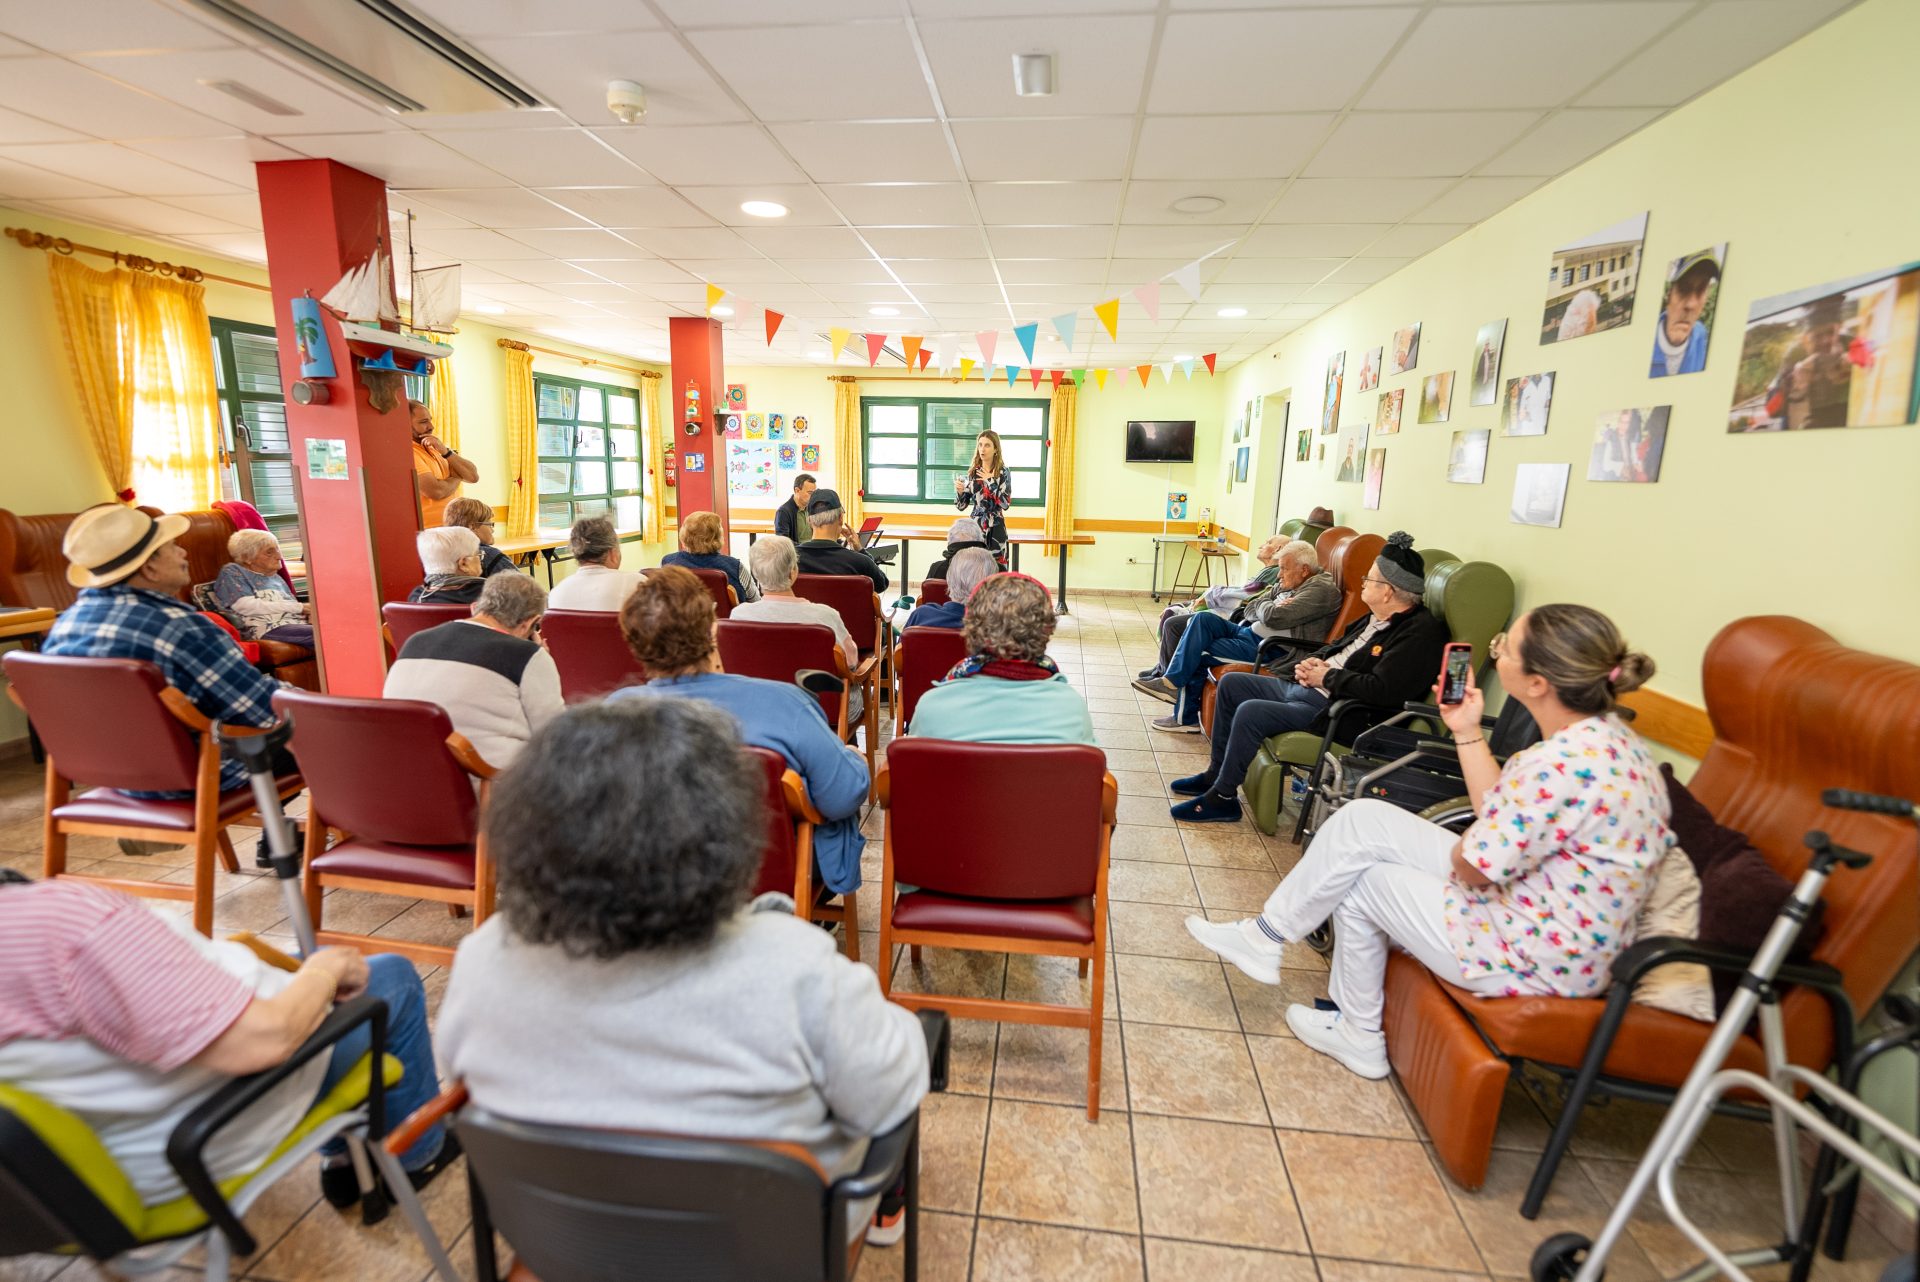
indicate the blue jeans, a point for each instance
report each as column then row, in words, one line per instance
column 393, row 980
column 1209, row 639
column 1248, row 710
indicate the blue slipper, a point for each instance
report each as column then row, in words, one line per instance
column 1191, row 786
column 1206, row 810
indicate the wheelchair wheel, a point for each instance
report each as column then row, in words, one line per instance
column 1456, row 815
column 1558, row 1259
column 1320, row 939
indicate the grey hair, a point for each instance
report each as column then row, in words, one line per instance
column 512, row 599
column 443, row 547
column 774, row 562
column 823, row 518
column 1404, row 597
column 965, row 530
column 592, row 539
column 1300, row 552
column 965, row 572
column 244, row 545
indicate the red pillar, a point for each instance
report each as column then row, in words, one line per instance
column 695, row 348
column 322, row 218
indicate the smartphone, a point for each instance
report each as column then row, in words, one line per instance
column 1454, row 671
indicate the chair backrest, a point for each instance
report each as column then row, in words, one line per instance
column 933, row 592
column 404, row 618
column 33, row 569
column 590, row 652
column 1354, row 559
column 717, row 587
column 1050, row 851
column 1474, row 599
column 45, row 1204
column 1327, row 543
column 1290, row 529
column 853, row 596
column 582, row 1205
column 381, row 768
column 777, row 651
column 924, row 655
column 102, row 721
column 206, row 545
column 777, row 864
column 1432, row 557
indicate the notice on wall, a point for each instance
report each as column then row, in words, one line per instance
column 326, row 459
column 1176, row 505
column 750, row 470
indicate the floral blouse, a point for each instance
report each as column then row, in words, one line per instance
column 986, row 499
column 1569, row 835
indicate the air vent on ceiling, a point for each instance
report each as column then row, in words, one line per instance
column 378, row 49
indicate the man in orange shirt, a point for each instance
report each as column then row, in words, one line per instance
column 437, row 469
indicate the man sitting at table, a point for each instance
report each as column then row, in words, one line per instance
column 830, row 550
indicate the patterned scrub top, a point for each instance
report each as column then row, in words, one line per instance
column 1569, row 834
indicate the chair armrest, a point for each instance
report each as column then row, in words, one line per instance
column 1432, row 713
column 882, row 785
column 469, row 757
column 885, row 1163
column 939, row 1031
column 799, row 805
column 1219, row 670
column 866, row 668
column 1658, row 950
column 1277, row 649
column 186, row 1147
column 427, row 1116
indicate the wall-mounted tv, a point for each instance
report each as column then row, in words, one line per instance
column 1160, row 441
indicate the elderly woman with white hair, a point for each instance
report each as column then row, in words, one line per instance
column 450, row 555
column 250, row 589
column 775, row 563
column 970, row 567
column 1006, row 690
column 962, row 534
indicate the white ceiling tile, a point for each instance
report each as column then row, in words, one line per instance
column 689, row 242
column 1058, row 297
column 24, row 182
column 806, row 207
column 1412, row 144
column 1098, row 66
column 241, row 208
column 1047, row 202
column 777, row 241
column 1277, row 271
column 229, row 159
column 1022, row 8
column 1261, row 303
column 1329, row 293
column 704, row 154
column 108, row 24
column 778, row 71
column 1477, row 198
column 400, row 205
column 838, row 271
column 1321, row 200
column 1516, row 55
column 624, row 207
column 11, row 48
column 578, row 242
column 644, row 272
column 1070, row 149
column 18, row 128
column 886, row 151
column 546, row 157
column 731, row 273
column 957, row 295
column 925, row 242
column 403, row 159
column 1566, row 139
column 1708, row 47
column 1410, row 240
column 571, row 71
column 136, row 213
column 497, row 207
column 95, row 105
column 477, row 243
column 1365, row 271
column 1184, row 242
column 1301, row 311
column 1054, row 271
column 534, row 271
column 1245, row 200
column 946, row 271
column 873, row 295
column 184, row 77
column 761, row 13
column 525, row 295
column 1310, row 240
column 116, row 167
column 1048, row 242
column 1214, row 147
column 601, row 293
column 1279, row 61
column 902, row 204
column 523, row 17
column 247, row 247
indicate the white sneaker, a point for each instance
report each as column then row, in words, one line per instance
column 1241, row 942
column 1328, row 1032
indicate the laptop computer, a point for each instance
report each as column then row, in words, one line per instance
column 869, row 532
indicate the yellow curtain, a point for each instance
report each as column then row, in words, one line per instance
column 848, row 469
column 86, row 304
column 445, row 404
column 1058, row 521
column 523, row 447
column 176, row 411
column 653, row 523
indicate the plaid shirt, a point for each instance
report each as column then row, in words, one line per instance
column 196, row 658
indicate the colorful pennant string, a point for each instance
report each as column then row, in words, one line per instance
column 1149, row 296
column 1026, row 334
column 773, row 324
column 987, row 339
column 1109, row 314
column 876, row 343
column 1064, row 325
column 910, row 346
column 714, row 295
column 839, row 337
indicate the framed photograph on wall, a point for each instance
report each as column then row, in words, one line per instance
column 1351, row 450
column 1406, row 348
column 1523, row 410
column 1840, row 354
column 1687, row 312
column 1387, row 418
column 1467, row 460
column 1485, row 389
column 1240, row 461
column 1303, row 446
column 1330, row 408
column 1591, row 282
column 1376, row 476
column 1540, row 494
column 1436, row 398
column 1369, row 370
column 1627, row 445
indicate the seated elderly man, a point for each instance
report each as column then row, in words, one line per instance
column 1388, row 658
column 961, row 535
column 668, row 623
column 1301, row 605
column 497, row 684
column 598, row 582
column 472, row 514
column 1228, row 598
column 971, row 566
column 830, row 550
column 450, row 555
column 249, row 588
column 775, row 563
column 1007, row 690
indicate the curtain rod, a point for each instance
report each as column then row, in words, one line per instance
column 519, row 346
column 28, row 239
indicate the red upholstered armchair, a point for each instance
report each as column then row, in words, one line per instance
column 591, row 653
column 933, row 592
column 1039, row 886
column 780, row 651
column 788, row 864
column 407, row 814
column 860, row 609
column 923, row 656
column 117, row 724
column 724, row 597
column 404, row 618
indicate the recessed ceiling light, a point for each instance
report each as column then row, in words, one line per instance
column 1196, row 204
column 1183, row 358
column 1033, row 75
column 252, row 97
column 816, row 355
column 763, row 208
column 883, row 311
column 1232, row 312
column 721, row 311
column 489, row 309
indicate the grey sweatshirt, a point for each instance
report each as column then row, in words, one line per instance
column 1303, row 614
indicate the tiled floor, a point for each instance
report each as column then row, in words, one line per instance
column 1225, row 1150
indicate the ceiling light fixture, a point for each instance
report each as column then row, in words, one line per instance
column 1183, row 358
column 1231, row 312
column 818, row 356
column 489, row 309
column 883, row 311
column 252, row 97
column 1033, row 75
column 763, row 208
column 627, row 101
column 1196, row 204
column 721, row 311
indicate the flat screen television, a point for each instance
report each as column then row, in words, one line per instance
column 1160, row 441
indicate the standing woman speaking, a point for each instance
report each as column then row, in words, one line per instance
column 986, row 491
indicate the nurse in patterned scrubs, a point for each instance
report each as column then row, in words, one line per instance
column 1536, row 898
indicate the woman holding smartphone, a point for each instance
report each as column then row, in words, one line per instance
column 986, row 491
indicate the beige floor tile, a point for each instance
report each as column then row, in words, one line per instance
column 1004, row 1251
column 1619, row 1131
column 1163, row 990
column 1263, row 1007
column 1153, row 930
column 1127, row 759
column 952, row 972
column 1524, row 1125
column 1229, row 849
column 970, row 1056
column 1215, row 1182
column 1139, row 783
column 1127, row 740
column 946, row 1248
column 1235, row 890
column 1047, row 1065
column 1192, row 1072
column 1199, row 1262
column 1506, row 1242
column 1151, row 883
column 1362, row 1271
column 953, row 1133
column 428, row 923
column 1149, row 845
column 1048, row 1164
column 327, row 1244
column 1149, row 811
column 1056, row 981
column 1377, row 1200
column 1307, row 1091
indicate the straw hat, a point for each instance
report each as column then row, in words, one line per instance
column 106, row 544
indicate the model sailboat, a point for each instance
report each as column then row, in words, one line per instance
column 363, row 301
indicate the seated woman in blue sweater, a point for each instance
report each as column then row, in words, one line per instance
column 1007, row 690
column 967, row 571
column 700, row 541
column 668, row 624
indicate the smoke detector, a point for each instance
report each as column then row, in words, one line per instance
column 627, row 101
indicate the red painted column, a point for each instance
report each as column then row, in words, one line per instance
column 323, row 218
column 695, row 348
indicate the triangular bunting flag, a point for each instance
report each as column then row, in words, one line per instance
column 839, row 337
column 1149, row 296
column 1109, row 314
column 1080, row 378
column 1026, row 335
column 966, row 368
column 1064, row 325
column 910, row 346
column 1033, row 376
column 925, row 356
column 1166, row 371
column 714, row 295
column 988, row 339
column 1145, row 372
column 1013, row 373
column 1209, row 359
column 1100, row 379
column 773, row 324
column 1187, row 366
column 1188, row 278
column 1056, row 375
column 875, row 344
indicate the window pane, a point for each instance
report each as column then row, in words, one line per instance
column 268, row 423
column 273, row 489
column 893, row 450
column 622, row 409
column 893, row 418
column 556, row 478
column 555, row 516
column 591, row 507
column 1026, row 485
column 960, row 420
column 590, row 478
column 893, row 480
column 591, row 409
column 626, row 512
column 951, row 451
column 555, row 401
column 626, row 476
column 256, row 360
column 624, row 442
column 219, row 366
column 590, row 442
column 556, row 440
column 1021, row 453
column 940, row 484
column 1019, row 420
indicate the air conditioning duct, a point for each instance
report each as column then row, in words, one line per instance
column 377, row 49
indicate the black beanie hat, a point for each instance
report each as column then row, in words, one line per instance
column 1400, row 565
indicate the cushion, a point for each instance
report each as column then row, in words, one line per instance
column 1673, row 908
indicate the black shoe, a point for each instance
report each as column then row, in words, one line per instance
column 449, row 1154
column 338, row 1183
column 1191, row 785
column 263, row 858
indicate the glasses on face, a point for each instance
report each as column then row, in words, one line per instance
column 484, row 525
column 1376, row 580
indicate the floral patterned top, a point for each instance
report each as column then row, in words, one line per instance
column 986, row 499
column 1569, row 835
